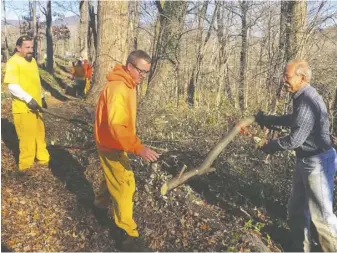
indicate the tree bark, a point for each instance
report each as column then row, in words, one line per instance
column 92, row 33
column 133, row 23
column 205, row 167
column 84, row 29
column 166, row 47
column 35, row 31
column 243, row 54
column 5, row 30
column 49, row 37
column 222, row 36
column 111, row 44
column 292, row 24
column 199, row 55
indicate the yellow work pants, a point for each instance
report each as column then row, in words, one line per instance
column 31, row 134
column 120, row 183
column 87, row 86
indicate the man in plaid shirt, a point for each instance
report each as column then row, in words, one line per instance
column 313, row 180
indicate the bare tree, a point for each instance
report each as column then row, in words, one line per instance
column 5, row 30
column 244, row 6
column 92, row 33
column 133, row 24
column 166, row 46
column 35, row 30
column 292, row 24
column 49, row 37
column 111, row 44
column 223, row 58
column 200, row 48
column 83, row 29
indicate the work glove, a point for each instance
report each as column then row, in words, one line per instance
column 44, row 103
column 270, row 147
column 260, row 119
column 267, row 120
column 33, row 105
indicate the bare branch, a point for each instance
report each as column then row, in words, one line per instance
column 205, row 167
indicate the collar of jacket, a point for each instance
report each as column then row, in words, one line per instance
column 301, row 91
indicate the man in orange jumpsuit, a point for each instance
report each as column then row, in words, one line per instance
column 88, row 75
column 115, row 135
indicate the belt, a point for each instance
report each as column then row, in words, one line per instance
column 305, row 154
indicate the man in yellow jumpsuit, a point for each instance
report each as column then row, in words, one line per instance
column 115, row 135
column 22, row 77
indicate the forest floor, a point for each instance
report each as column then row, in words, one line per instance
column 240, row 207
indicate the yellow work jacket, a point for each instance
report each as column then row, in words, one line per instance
column 26, row 74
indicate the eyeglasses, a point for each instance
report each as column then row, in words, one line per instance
column 140, row 71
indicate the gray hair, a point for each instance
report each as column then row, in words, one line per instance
column 302, row 68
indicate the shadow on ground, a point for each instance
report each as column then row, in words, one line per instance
column 9, row 137
column 234, row 192
column 64, row 167
column 54, row 92
column 69, row 171
column 4, row 248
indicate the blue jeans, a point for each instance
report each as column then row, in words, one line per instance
column 312, row 198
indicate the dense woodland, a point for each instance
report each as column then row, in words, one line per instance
column 214, row 63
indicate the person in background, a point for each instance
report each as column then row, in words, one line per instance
column 88, row 75
column 313, row 180
column 23, row 79
column 115, row 135
column 78, row 75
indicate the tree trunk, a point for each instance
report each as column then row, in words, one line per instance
column 84, row 29
column 166, row 47
column 298, row 12
column 92, row 33
column 243, row 54
column 133, row 23
column 292, row 23
column 35, row 27
column 49, row 37
column 5, row 31
column 196, row 68
column 222, row 36
column 111, row 44
column 133, row 33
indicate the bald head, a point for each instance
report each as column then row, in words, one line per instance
column 297, row 74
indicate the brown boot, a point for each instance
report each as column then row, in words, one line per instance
column 43, row 166
column 132, row 244
column 25, row 172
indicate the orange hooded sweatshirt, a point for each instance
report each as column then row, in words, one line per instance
column 115, row 125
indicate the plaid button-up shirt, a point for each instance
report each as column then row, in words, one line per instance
column 309, row 123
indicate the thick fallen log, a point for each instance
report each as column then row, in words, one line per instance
column 205, row 167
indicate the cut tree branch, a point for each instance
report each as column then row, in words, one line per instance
column 205, row 167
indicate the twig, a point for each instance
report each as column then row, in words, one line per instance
column 182, row 171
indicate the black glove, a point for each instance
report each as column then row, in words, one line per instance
column 34, row 106
column 271, row 147
column 268, row 120
column 260, row 119
column 44, row 103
